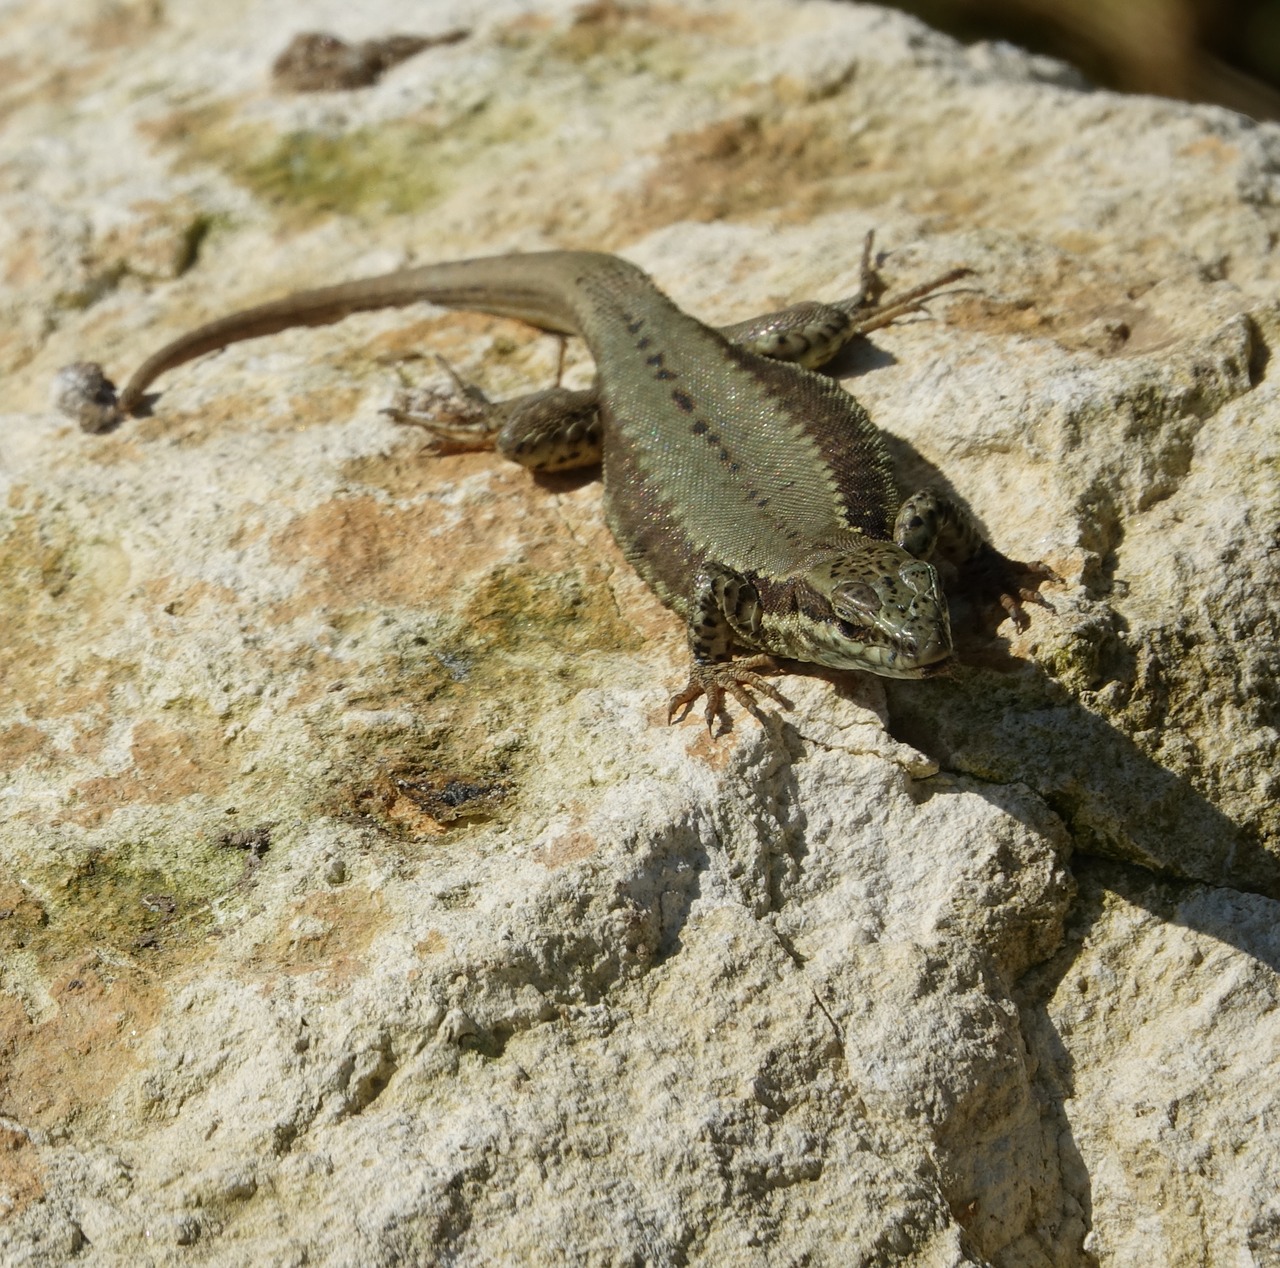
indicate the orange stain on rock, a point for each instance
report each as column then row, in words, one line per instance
column 60, row 1068
column 168, row 764
column 19, row 742
column 363, row 549
column 568, row 848
column 21, row 1172
column 326, row 932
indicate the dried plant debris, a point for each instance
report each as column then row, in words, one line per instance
column 318, row 62
column 444, row 798
column 255, row 841
column 83, row 393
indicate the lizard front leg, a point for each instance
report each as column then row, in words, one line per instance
column 724, row 607
column 552, row 430
column 929, row 519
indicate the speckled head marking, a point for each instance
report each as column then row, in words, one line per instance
column 876, row 608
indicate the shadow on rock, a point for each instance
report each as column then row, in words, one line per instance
column 1115, row 799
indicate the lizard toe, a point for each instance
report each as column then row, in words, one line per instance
column 1011, row 583
column 735, row 678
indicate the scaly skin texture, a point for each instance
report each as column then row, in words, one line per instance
column 753, row 495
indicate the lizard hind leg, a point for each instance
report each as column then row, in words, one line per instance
column 552, row 430
column 811, row 333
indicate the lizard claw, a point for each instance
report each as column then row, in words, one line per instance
column 735, row 678
column 460, row 418
column 1012, row 583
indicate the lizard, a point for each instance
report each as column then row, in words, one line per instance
column 753, row 494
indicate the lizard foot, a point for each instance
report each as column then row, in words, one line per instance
column 877, row 311
column 1011, row 583
column 736, row 678
column 460, row 418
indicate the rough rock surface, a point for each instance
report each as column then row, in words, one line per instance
column 356, row 904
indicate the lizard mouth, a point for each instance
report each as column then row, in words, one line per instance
column 943, row 668
column 900, row 657
column 892, row 660
column 934, row 669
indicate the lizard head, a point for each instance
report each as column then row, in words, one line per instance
column 879, row 609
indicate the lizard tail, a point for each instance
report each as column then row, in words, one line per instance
column 538, row 288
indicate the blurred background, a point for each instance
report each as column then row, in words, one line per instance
column 1222, row 51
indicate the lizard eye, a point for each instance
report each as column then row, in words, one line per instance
column 855, row 601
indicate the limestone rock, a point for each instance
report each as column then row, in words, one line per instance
column 358, row 906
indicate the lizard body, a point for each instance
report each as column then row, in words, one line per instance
column 752, row 494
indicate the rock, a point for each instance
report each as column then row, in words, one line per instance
column 359, row 905
column 1155, row 1026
